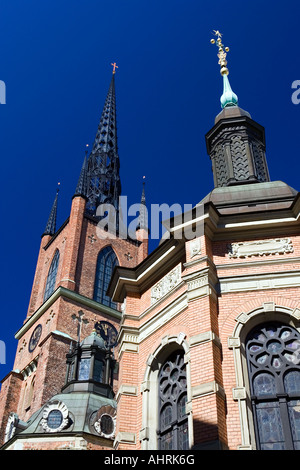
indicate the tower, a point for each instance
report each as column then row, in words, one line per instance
column 64, row 377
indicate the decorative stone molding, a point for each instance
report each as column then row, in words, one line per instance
column 201, row 283
column 30, row 368
column 195, row 248
column 166, row 314
column 296, row 313
column 239, row 393
column 275, row 246
column 260, row 282
column 129, row 390
column 11, row 426
column 51, row 407
column 149, row 389
column 204, row 338
column 266, row 307
column 207, row 389
column 105, row 422
column 125, row 438
column 166, row 284
column 144, row 434
column 233, row 342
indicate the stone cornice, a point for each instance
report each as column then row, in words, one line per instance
column 149, row 271
column 71, row 295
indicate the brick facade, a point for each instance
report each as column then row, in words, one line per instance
column 198, row 297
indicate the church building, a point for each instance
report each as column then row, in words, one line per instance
column 194, row 346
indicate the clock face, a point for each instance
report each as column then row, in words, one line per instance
column 108, row 332
column 35, row 337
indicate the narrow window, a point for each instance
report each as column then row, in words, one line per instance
column 273, row 353
column 106, row 263
column 51, row 278
column 173, row 420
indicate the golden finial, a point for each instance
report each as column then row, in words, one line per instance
column 222, row 52
column 114, row 67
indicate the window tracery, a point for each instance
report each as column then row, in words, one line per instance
column 173, row 420
column 273, row 358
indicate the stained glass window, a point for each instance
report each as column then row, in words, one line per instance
column 273, row 351
column 106, row 263
column 51, row 278
column 98, row 370
column 173, row 421
column 84, row 369
column 54, row 419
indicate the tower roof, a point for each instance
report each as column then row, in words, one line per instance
column 50, row 228
column 103, row 181
column 236, row 143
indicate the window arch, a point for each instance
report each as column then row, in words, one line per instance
column 173, row 420
column 51, row 278
column 273, row 359
column 106, row 263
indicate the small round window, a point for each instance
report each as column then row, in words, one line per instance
column 54, row 419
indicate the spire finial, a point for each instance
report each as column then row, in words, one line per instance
column 228, row 98
column 114, row 67
column 222, row 52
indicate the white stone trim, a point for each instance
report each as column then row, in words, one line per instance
column 259, row 282
column 207, row 388
column 129, row 390
column 261, row 247
column 205, row 337
column 125, row 438
column 149, row 390
column 166, row 284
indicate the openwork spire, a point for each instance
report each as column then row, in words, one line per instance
column 228, row 98
column 103, row 181
column 143, row 218
column 51, row 224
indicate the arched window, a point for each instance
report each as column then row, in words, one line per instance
column 106, row 263
column 273, row 357
column 173, row 420
column 51, row 279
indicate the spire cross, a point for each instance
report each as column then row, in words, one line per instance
column 80, row 320
column 114, row 67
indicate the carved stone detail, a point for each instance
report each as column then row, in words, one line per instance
column 259, row 161
column 166, row 284
column 195, row 247
column 239, row 158
column 261, row 247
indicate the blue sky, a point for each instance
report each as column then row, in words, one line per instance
column 55, row 61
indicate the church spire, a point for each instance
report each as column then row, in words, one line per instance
column 103, row 181
column 143, row 219
column 51, row 224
